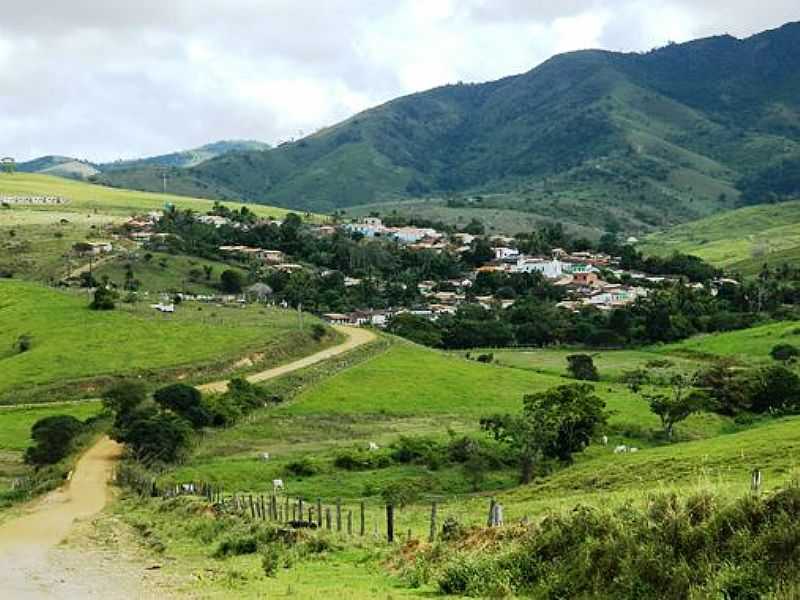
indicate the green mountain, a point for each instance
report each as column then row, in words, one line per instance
column 637, row 141
column 65, row 166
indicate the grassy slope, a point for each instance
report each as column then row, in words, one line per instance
column 131, row 339
column 170, row 278
column 741, row 240
column 86, row 198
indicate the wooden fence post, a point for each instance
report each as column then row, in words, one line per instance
column 339, row 515
column 432, row 536
column 252, row 507
column 390, row 523
column 350, row 522
column 328, row 519
column 755, row 481
column 273, row 507
column 490, row 520
column 300, row 509
column 319, row 513
column 362, row 529
column 286, row 508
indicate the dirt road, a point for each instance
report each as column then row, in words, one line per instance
column 25, row 542
column 34, row 567
column 355, row 338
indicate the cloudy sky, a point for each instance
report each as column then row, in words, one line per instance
column 107, row 79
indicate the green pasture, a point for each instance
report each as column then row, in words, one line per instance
column 70, row 342
column 16, row 422
column 740, row 240
column 163, row 272
column 88, row 198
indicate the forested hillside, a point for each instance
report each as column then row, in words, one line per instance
column 638, row 141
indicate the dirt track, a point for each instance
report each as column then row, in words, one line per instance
column 26, row 542
column 32, row 567
column 355, row 338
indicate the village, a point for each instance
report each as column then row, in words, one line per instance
column 585, row 279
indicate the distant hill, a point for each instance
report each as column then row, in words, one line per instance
column 741, row 240
column 634, row 141
column 64, row 166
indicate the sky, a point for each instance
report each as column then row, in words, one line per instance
column 109, row 79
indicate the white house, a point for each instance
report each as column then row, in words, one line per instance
column 551, row 269
column 506, row 253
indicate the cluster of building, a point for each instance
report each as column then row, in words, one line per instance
column 372, row 227
column 33, row 200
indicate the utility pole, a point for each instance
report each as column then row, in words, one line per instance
column 300, row 315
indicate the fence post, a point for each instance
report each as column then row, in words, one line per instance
column 310, row 516
column 328, row 519
column 350, row 522
column 319, row 513
column 490, row 520
column 363, row 519
column 497, row 517
column 432, row 536
column 390, row 523
column 252, row 507
column 300, row 509
column 273, row 507
column 755, row 481
column 286, row 508
column 339, row 515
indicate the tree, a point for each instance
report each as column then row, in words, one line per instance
column 417, row 329
column 104, row 299
column 183, row 400
column 775, row 388
column 53, row 439
column 231, row 282
column 581, row 367
column 553, row 425
column 785, row 353
column 157, row 436
column 677, row 405
column 124, row 396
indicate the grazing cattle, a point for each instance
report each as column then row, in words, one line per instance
column 604, row 439
column 187, row 488
column 277, row 484
column 265, row 456
column 621, row 449
column 373, row 446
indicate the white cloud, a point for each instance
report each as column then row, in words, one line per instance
column 110, row 78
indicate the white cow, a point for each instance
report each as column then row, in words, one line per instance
column 265, row 456
column 373, row 446
column 622, row 449
column 277, row 484
column 604, row 439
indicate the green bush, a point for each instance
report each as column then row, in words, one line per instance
column 361, row 460
column 301, row 468
column 270, row 560
column 53, row 439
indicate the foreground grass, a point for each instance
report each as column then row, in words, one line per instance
column 131, row 340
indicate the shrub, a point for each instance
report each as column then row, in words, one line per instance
column 785, row 353
column 53, row 439
column 581, row 367
column 104, row 299
column 317, row 331
column 301, row 468
column 185, row 401
column 236, row 544
column 270, row 560
column 402, row 493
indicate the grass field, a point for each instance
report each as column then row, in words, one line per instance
column 740, row 240
column 165, row 272
column 71, row 343
column 15, row 429
column 87, row 198
column 409, row 390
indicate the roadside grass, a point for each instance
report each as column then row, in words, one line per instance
column 73, row 345
column 165, row 272
column 88, row 198
column 15, row 430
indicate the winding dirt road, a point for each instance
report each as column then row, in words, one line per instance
column 355, row 338
column 25, row 542
column 29, row 567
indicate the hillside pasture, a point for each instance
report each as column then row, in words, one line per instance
column 89, row 198
column 73, row 345
column 740, row 240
